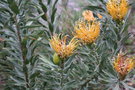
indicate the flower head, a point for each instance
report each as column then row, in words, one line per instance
column 88, row 15
column 117, row 8
column 87, row 32
column 61, row 47
column 123, row 65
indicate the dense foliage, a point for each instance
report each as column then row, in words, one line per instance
column 36, row 54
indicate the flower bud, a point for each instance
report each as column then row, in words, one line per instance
column 56, row 58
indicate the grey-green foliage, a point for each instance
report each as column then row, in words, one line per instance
column 21, row 41
column 26, row 56
column 23, row 34
column 46, row 15
column 92, row 67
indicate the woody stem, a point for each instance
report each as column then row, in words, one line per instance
column 62, row 74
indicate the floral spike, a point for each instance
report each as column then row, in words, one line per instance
column 61, row 47
column 123, row 65
column 117, row 8
column 88, row 15
column 87, row 32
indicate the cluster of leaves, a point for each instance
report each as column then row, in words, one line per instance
column 26, row 57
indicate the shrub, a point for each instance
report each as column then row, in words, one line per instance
column 37, row 55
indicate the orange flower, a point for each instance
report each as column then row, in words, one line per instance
column 117, row 8
column 99, row 16
column 88, row 15
column 123, row 65
column 61, row 47
column 87, row 32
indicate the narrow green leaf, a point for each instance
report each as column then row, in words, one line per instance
column 13, row 6
column 54, row 4
column 51, row 27
column 43, row 6
column 69, row 62
column 49, row 1
column 94, row 8
column 31, row 26
column 53, row 15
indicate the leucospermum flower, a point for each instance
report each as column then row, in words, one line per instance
column 123, row 65
column 117, row 8
column 88, row 15
column 87, row 32
column 61, row 47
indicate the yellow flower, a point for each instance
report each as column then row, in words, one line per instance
column 117, row 8
column 87, row 32
column 88, row 15
column 61, row 47
column 123, row 65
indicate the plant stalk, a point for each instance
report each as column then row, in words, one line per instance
column 62, row 74
column 22, row 55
